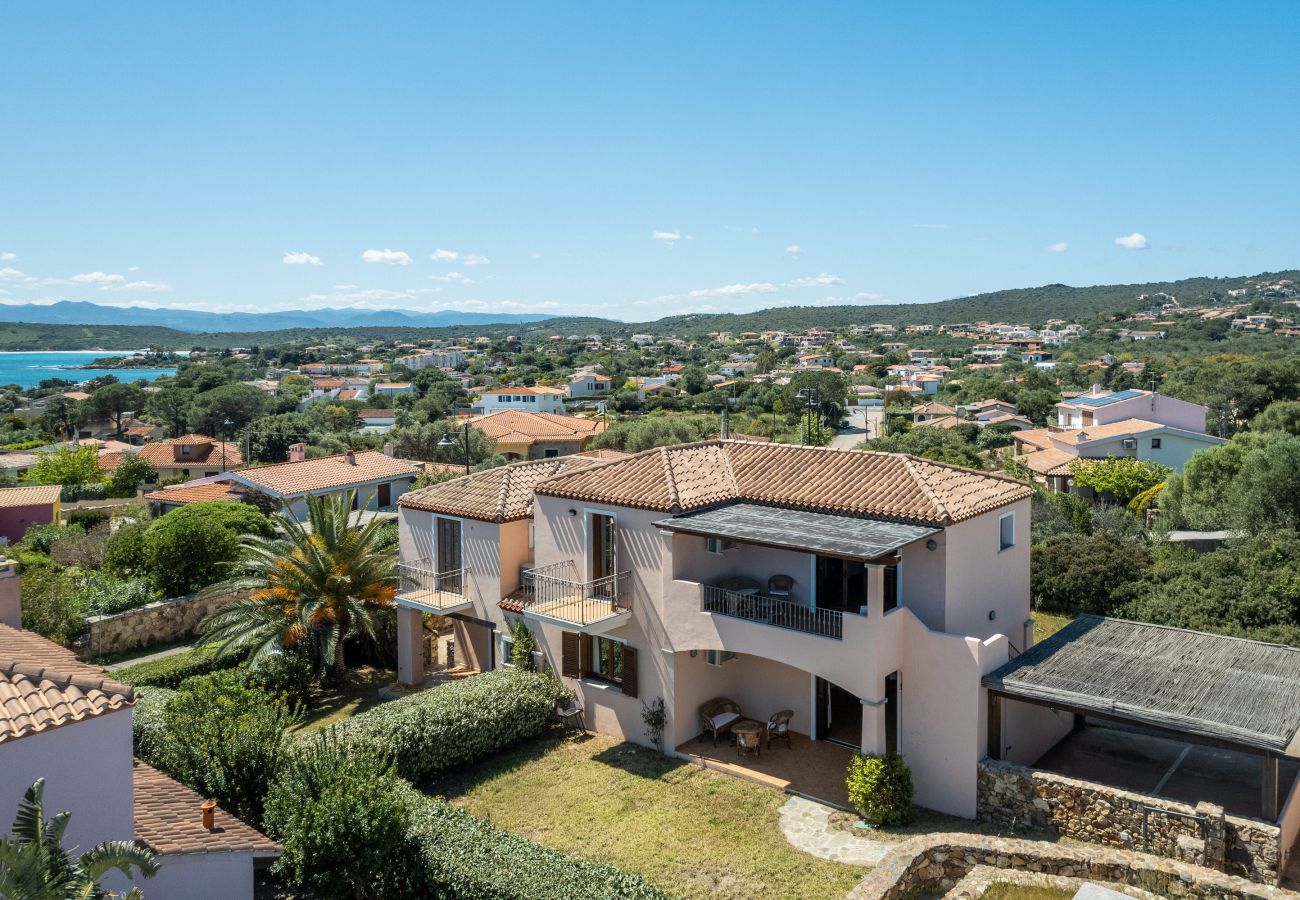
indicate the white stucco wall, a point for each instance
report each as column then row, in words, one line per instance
column 87, row 770
column 201, row 876
column 980, row 578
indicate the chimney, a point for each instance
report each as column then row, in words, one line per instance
column 297, row 452
column 388, row 448
column 209, row 808
column 351, row 457
column 1095, row 389
column 11, row 595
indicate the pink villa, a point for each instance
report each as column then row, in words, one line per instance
column 25, row 506
column 874, row 601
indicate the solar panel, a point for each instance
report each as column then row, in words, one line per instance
column 1107, row 399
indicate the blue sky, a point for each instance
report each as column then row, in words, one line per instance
column 634, row 160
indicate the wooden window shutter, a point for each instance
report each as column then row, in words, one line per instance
column 584, row 654
column 630, row 684
column 570, row 655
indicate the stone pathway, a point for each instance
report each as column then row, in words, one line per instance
column 807, row 825
column 161, row 654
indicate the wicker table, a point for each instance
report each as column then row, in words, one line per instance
column 751, row 729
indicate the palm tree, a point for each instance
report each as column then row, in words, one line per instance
column 34, row 865
column 312, row 585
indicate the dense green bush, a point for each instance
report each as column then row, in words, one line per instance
column 170, row 671
column 88, row 518
column 53, row 606
column 457, row 855
column 192, row 547
column 1077, row 573
column 521, row 653
column 225, row 740
column 71, row 493
column 430, row 732
column 880, row 788
column 40, row 538
column 147, row 721
column 342, row 820
column 126, row 553
column 104, row 595
column 288, row 674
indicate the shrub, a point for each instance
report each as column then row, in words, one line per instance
column 880, row 788
column 125, row 554
column 191, row 547
column 71, row 493
column 132, row 470
column 225, row 740
column 457, row 855
column 170, row 671
column 521, row 653
column 147, row 723
column 426, row 734
column 84, row 550
column 40, row 538
column 103, row 595
column 288, row 674
column 1076, row 573
column 341, row 818
column 53, row 606
column 88, row 518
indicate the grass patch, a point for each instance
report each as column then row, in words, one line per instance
column 1048, row 624
column 689, row 831
column 359, row 693
column 1003, row 891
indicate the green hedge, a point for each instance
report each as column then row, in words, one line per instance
column 147, row 720
column 454, row 854
column 170, row 671
column 456, row 724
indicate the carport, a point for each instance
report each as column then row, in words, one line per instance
column 1239, row 697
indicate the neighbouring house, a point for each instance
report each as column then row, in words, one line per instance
column 1102, row 407
column 200, row 490
column 377, row 421
column 537, row 435
column 866, row 592
column 588, row 384
column 377, row 479
column 70, row 723
column 16, row 464
column 525, row 399
column 192, row 456
column 1048, row 453
column 25, row 506
column 392, row 389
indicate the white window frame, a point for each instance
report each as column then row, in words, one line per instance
column 506, row 652
column 1002, row 518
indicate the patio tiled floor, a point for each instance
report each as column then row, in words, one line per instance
column 810, row 768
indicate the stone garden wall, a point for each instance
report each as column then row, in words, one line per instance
column 940, row 863
column 1012, row 796
column 156, row 623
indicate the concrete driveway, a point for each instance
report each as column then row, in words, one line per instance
column 864, row 425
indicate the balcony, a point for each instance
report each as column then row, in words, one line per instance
column 774, row 611
column 554, row 593
column 420, row 586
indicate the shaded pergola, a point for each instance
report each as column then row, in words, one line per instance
column 1213, row 689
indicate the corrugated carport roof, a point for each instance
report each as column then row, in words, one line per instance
column 798, row 530
column 1224, row 688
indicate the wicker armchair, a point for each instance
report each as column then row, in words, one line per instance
column 779, row 727
column 780, row 586
column 717, row 716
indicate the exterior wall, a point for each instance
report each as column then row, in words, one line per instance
column 1155, row 408
column 539, row 449
column 87, row 770
column 15, row 520
column 1174, row 451
column 202, row 876
column 980, row 579
column 156, row 623
column 1030, row 730
column 923, row 577
column 11, row 595
column 1289, row 825
column 515, row 552
column 367, row 494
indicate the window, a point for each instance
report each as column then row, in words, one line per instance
column 1155, row 443
column 607, row 659
column 507, row 650
column 1006, row 532
column 552, row 452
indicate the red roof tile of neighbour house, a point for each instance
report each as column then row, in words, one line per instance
column 329, row 473
column 169, row 820
column 539, row 389
column 940, row 422
column 604, row 453
column 514, row 426
column 202, row 450
column 1091, row 433
column 502, row 494
column 880, row 485
column 30, row 495
column 1035, row 437
column 110, row 461
column 1048, row 462
column 182, row 494
column 76, row 395
column 43, row 686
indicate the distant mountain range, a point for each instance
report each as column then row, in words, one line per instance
column 80, row 312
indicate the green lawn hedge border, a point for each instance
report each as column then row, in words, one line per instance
column 170, row 671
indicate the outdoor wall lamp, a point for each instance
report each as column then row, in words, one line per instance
column 993, row 614
column 932, row 544
column 573, row 512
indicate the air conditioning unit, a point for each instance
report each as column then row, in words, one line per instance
column 1129, row 443
column 539, row 661
column 718, row 657
column 718, row 546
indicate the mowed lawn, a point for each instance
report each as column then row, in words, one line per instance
column 692, row 832
column 1047, row 624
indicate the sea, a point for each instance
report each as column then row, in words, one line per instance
column 28, row 369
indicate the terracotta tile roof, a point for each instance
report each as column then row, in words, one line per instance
column 1090, row 433
column 43, row 686
column 377, row 413
column 1035, row 437
column 1048, row 462
column 328, row 473
column 110, row 461
column 891, row 486
column 194, row 493
column 30, row 495
column 206, row 450
column 540, row 389
column 934, row 409
column 940, row 422
column 605, row 453
column 169, row 820
column 502, row 494
column 513, row 426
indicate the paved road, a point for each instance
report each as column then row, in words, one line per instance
column 862, row 427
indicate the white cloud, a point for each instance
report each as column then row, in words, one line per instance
column 98, row 278
column 1059, row 247
column 670, row 238
column 300, row 258
column 158, row 286
column 1135, row 241
column 9, row 273
column 735, row 290
column 820, row 280
column 453, row 276
column 474, row 259
column 6, row 256
column 133, row 268
column 387, row 257
column 794, row 250
column 441, row 255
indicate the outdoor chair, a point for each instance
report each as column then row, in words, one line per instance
column 749, row 741
column 717, row 717
column 569, row 712
column 779, row 727
column 780, row 586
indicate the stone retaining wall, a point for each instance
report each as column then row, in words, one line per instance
column 156, row 623
column 938, row 863
column 1012, row 796
column 980, row 879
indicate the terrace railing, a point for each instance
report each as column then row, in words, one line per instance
column 419, row 582
column 773, row 611
column 554, row 591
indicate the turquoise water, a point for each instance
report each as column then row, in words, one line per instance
column 30, row 369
